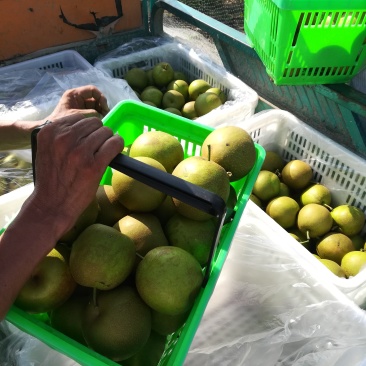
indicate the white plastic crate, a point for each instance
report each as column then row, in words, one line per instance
column 343, row 172
column 59, row 60
column 242, row 100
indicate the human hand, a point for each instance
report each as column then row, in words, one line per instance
column 72, row 155
column 87, row 100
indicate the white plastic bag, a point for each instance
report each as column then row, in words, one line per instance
column 268, row 308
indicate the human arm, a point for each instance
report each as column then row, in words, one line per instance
column 87, row 100
column 72, row 155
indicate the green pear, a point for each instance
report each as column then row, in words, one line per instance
column 110, row 209
column 169, row 279
column 180, row 86
column 206, row 174
column 67, row 317
column 349, row 219
column 135, row 195
column 333, row 267
column 219, row 93
column 206, row 102
column 316, row 193
column 197, row 87
column 283, row 210
column 179, row 75
column 314, row 220
column 165, row 210
column 353, row 262
column 151, row 352
column 87, row 217
column 158, row 145
column 49, row 285
column 231, row 147
column 196, row 237
column 144, row 229
column 165, row 324
column 273, row 162
column 101, row 257
column 297, row 174
column 117, row 324
column 173, row 99
column 334, row 246
column 136, row 78
column 173, row 110
column 153, row 95
column 266, row 186
column 163, row 74
column 188, row 110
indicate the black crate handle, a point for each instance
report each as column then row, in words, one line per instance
column 169, row 184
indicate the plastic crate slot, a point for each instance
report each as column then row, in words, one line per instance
column 362, row 20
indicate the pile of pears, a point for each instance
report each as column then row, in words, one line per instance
column 163, row 87
column 287, row 192
column 14, row 172
column 128, row 273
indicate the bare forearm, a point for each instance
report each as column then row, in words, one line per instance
column 23, row 245
column 16, row 134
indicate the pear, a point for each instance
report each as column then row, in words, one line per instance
column 316, row 193
column 165, row 324
column 169, row 279
column 349, row 219
column 179, row 75
column 206, row 174
column 358, row 241
column 353, row 262
column 117, row 324
column 173, row 99
column 197, row 87
column 256, row 200
column 181, row 86
column 219, row 93
column 188, row 110
column 283, row 210
column 296, row 174
column 333, row 267
column 101, row 257
column 334, row 246
column 110, row 209
column 159, row 145
column 231, row 147
column 163, row 74
column 284, row 190
column 87, row 217
column 315, row 220
column 49, row 285
column 67, row 317
column 273, row 162
column 165, row 210
column 152, row 94
column 196, row 237
column 144, row 229
column 173, row 110
column 150, row 354
column 150, row 79
column 206, row 102
column 137, row 78
column 135, row 195
column 266, row 186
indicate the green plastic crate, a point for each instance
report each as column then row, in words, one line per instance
column 130, row 119
column 308, row 41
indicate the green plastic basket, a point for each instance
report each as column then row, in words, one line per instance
column 308, row 41
column 130, row 119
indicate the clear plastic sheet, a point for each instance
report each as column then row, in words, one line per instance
column 269, row 308
column 40, row 100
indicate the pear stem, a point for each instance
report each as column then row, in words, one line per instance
column 308, row 235
column 95, row 297
column 209, row 151
column 330, row 208
column 139, row 255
